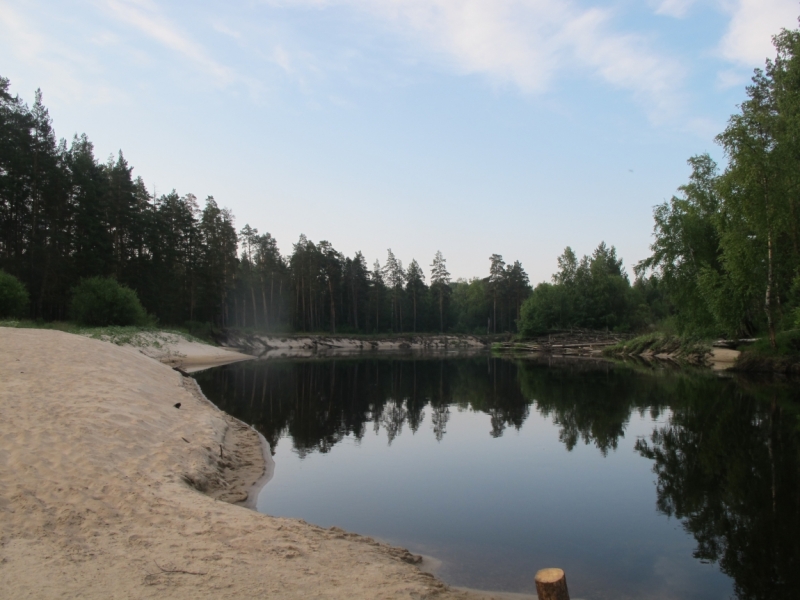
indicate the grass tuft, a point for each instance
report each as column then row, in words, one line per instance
column 661, row 343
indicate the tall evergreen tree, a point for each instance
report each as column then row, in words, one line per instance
column 415, row 287
column 377, row 289
column 496, row 281
column 440, row 284
column 395, row 278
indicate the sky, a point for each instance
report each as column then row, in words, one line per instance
column 516, row 127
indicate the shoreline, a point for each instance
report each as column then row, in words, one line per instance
column 99, row 478
column 315, row 345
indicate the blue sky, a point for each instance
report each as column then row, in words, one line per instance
column 470, row 126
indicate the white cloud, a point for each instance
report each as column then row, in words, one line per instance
column 526, row 42
column 281, row 58
column 674, row 8
column 622, row 61
column 730, row 78
column 145, row 16
column 225, row 30
column 753, row 23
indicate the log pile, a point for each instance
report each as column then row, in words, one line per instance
column 578, row 342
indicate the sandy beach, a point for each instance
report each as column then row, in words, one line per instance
column 107, row 490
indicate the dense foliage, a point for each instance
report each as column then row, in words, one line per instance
column 593, row 293
column 13, row 296
column 101, row 301
column 728, row 249
column 726, row 255
column 65, row 217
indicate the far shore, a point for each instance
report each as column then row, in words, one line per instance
column 118, row 479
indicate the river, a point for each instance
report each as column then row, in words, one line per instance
column 638, row 481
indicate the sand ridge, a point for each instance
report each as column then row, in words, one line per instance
column 176, row 350
column 99, row 480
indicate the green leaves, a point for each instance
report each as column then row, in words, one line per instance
column 594, row 293
column 13, row 296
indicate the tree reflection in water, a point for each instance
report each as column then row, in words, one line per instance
column 726, row 458
column 727, row 466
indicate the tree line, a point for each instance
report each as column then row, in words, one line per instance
column 724, row 259
column 66, row 217
column 726, row 253
column 593, row 293
column 727, row 250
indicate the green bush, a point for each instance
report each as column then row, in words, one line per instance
column 100, row 302
column 787, row 343
column 13, row 296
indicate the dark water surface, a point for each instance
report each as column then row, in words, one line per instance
column 638, row 483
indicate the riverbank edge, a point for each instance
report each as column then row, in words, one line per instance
column 740, row 356
column 303, row 556
column 240, row 493
column 246, row 463
column 267, row 345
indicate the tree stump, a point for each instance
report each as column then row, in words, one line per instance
column 551, row 584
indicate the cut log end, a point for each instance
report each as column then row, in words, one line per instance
column 551, row 584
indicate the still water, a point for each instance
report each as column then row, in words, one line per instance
column 639, row 483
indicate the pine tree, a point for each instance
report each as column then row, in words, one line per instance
column 395, row 278
column 496, row 281
column 377, row 287
column 415, row 286
column 440, row 284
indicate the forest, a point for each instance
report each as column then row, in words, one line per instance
column 724, row 258
column 66, row 217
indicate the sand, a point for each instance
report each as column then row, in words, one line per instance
column 175, row 350
column 306, row 346
column 109, row 491
column 723, row 359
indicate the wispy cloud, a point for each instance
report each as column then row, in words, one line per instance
column 527, row 43
column 748, row 40
column 147, row 18
column 623, row 61
column 63, row 66
column 674, row 8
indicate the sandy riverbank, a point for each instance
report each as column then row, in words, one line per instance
column 177, row 351
column 274, row 346
column 99, row 491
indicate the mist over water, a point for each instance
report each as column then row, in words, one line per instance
column 637, row 482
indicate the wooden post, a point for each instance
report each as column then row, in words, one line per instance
column 551, row 584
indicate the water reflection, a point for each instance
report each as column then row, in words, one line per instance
column 725, row 452
column 319, row 402
column 727, row 466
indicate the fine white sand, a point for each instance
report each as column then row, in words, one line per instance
column 722, row 359
column 175, row 350
column 100, row 479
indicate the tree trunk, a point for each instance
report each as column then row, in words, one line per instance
column 253, row 298
column 264, row 304
column 333, row 307
column 414, row 297
column 551, row 584
column 768, row 299
column 441, row 311
column 355, row 305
